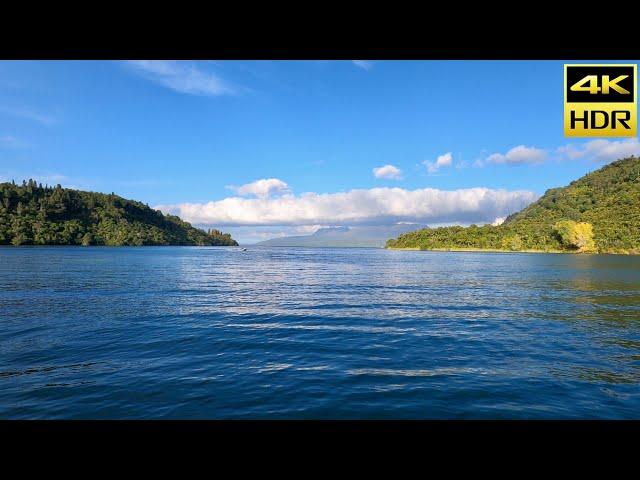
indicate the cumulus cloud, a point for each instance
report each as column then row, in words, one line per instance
column 181, row 76
column 442, row 161
column 364, row 64
column 498, row 221
column 360, row 206
column 262, row 188
column 516, row 156
column 603, row 151
column 388, row 171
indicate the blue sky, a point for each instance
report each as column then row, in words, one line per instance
column 179, row 135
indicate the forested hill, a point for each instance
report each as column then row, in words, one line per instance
column 600, row 212
column 31, row 214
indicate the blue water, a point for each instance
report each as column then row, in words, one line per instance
column 316, row 333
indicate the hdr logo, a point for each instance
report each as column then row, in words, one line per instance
column 600, row 101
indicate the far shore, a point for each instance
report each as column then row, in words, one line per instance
column 498, row 250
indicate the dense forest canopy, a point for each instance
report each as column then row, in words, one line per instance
column 31, row 214
column 599, row 212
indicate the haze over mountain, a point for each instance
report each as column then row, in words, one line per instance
column 355, row 236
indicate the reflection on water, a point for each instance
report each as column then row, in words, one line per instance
column 317, row 333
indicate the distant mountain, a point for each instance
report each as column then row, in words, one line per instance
column 31, row 214
column 360, row 236
column 599, row 212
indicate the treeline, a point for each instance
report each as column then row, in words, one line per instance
column 565, row 235
column 600, row 212
column 32, row 214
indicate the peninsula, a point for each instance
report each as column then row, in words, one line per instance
column 598, row 213
column 32, row 214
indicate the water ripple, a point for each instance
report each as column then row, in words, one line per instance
column 316, row 333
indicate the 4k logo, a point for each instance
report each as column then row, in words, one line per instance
column 600, row 101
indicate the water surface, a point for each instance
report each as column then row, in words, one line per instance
column 214, row 332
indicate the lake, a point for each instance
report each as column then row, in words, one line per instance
column 214, row 332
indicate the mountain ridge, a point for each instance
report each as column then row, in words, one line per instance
column 597, row 213
column 354, row 236
column 31, row 214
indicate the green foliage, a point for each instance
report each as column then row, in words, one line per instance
column 512, row 242
column 604, row 207
column 578, row 236
column 31, row 214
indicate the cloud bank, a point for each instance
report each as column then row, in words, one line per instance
column 357, row 207
column 388, row 171
column 182, row 77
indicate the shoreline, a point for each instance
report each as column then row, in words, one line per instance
column 471, row 249
column 497, row 250
column 49, row 245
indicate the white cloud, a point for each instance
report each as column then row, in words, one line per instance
column 603, row 151
column 516, row 156
column 498, row 221
column 388, row 171
column 262, row 188
column 181, row 76
column 364, row 64
column 372, row 206
column 600, row 150
column 442, row 161
column 308, row 229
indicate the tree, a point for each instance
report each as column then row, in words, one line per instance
column 575, row 235
column 87, row 239
column 512, row 242
column 603, row 206
column 33, row 215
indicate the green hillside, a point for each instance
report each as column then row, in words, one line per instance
column 31, row 214
column 599, row 212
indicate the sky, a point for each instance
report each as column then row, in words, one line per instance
column 272, row 148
